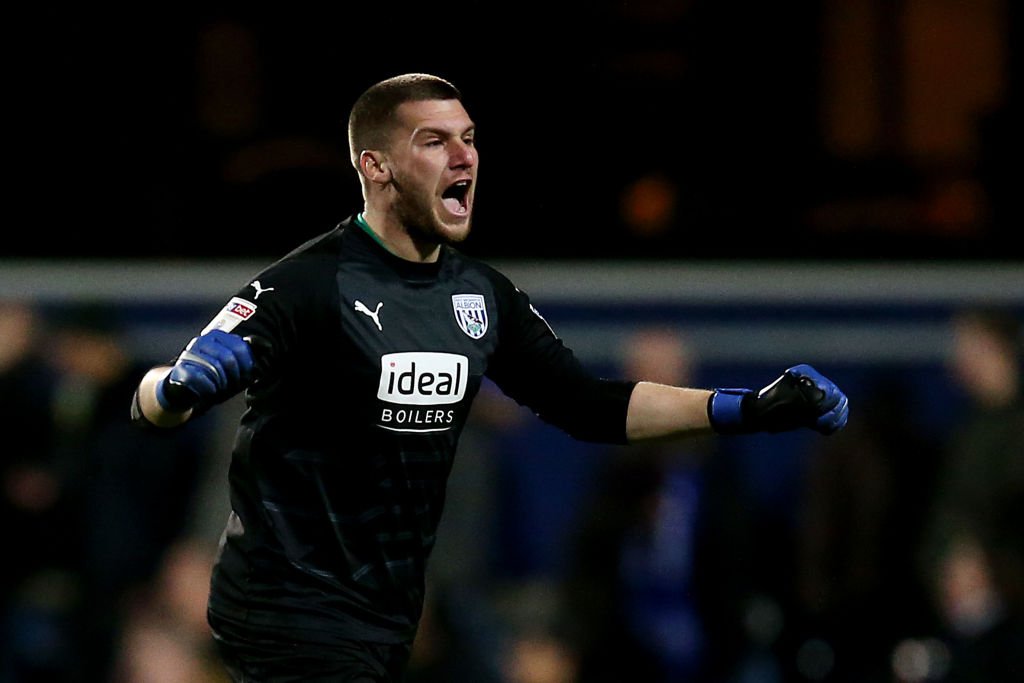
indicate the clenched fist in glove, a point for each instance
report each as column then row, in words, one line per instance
column 801, row 397
column 213, row 366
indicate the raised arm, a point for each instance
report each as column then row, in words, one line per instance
column 800, row 398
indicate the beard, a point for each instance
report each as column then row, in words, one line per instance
column 416, row 211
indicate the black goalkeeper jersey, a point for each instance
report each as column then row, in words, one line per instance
column 367, row 365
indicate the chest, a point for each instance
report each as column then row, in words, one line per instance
column 417, row 345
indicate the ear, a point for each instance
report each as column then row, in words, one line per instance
column 375, row 166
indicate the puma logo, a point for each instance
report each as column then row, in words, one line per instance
column 361, row 307
column 260, row 289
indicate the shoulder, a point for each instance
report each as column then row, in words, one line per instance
column 312, row 259
column 300, row 279
column 323, row 247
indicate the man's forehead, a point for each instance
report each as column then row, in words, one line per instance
column 434, row 114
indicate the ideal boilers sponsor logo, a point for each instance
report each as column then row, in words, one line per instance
column 423, row 378
column 417, row 379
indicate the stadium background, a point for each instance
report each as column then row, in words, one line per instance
column 824, row 182
column 823, row 130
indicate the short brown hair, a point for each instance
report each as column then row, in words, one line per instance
column 373, row 113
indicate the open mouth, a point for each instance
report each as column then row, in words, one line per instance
column 455, row 197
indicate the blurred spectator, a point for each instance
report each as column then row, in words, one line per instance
column 459, row 638
column 132, row 490
column 38, row 587
column 975, row 547
column 655, row 591
column 165, row 638
column 862, row 519
column 540, row 658
column 537, row 647
column 542, row 476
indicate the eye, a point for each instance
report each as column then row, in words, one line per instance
column 434, row 143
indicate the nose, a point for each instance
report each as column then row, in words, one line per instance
column 462, row 155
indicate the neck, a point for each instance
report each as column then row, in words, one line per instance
column 396, row 238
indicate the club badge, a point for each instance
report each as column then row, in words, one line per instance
column 470, row 313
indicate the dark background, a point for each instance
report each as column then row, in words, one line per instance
column 150, row 134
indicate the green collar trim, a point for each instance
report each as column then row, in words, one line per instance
column 361, row 222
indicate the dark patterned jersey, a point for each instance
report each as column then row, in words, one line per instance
column 366, row 366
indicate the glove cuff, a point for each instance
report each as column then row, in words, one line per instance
column 726, row 410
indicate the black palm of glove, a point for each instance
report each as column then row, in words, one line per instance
column 800, row 397
column 788, row 403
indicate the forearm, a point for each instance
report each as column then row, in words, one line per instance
column 660, row 411
column 149, row 407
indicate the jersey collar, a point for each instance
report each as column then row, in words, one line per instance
column 409, row 270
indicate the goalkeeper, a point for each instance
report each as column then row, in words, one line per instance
column 360, row 353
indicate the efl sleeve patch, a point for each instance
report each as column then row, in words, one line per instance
column 237, row 310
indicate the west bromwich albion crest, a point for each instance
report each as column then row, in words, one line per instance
column 470, row 313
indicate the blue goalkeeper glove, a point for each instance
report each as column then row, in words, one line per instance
column 213, row 366
column 801, row 397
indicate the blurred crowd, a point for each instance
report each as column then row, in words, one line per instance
column 897, row 558
column 104, row 569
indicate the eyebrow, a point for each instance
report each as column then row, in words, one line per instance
column 443, row 132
